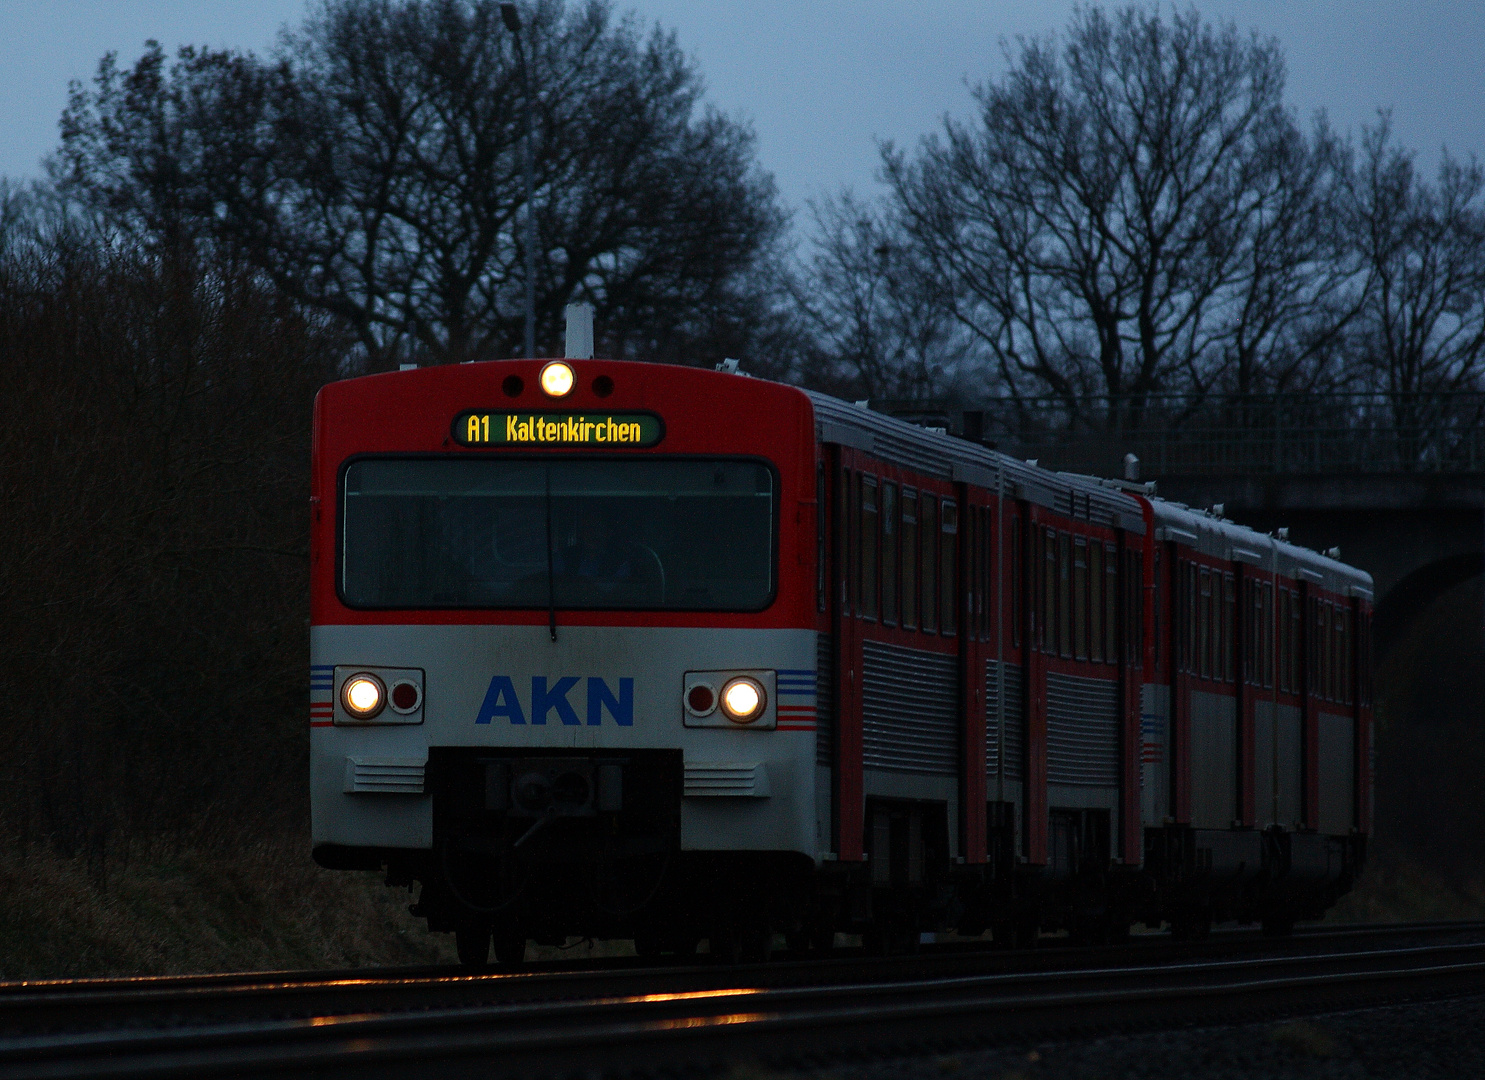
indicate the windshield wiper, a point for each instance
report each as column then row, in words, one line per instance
column 551, row 570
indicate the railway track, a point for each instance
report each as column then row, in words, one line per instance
column 409, row 1024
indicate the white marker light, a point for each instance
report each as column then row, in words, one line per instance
column 363, row 696
column 557, row 378
column 742, row 700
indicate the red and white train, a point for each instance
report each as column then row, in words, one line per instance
column 626, row 650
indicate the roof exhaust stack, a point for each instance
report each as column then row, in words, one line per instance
column 1131, row 468
column 579, row 332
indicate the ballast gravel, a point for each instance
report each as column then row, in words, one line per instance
column 1444, row 1039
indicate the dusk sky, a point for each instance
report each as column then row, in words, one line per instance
column 821, row 82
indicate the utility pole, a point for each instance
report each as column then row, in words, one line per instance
column 511, row 16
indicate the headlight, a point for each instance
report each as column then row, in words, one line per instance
column 363, row 696
column 743, row 699
column 556, row 378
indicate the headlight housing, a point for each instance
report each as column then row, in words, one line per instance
column 743, row 699
column 363, row 695
column 557, row 378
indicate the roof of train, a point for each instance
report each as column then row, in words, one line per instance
column 1090, row 497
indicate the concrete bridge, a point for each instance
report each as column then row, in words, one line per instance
column 1418, row 535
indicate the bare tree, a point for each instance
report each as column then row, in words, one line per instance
column 879, row 326
column 1423, row 250
column 1134, row 211
column 372, row 169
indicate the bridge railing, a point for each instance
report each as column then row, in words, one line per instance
column 1264, row 434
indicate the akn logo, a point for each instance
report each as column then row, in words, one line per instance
column 501, row 701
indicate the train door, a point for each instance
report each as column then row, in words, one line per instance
column 978, row 655
column 1123, row 600
column 1042, row 557
column 1183, row 640
column 1244, row 634
column 1363, row 715
column 1004, row 648
column 848, row 800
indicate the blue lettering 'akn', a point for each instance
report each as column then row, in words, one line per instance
column 601, row 697
column 544, row 700
column 500, row 700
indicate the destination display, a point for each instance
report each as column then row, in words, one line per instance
column 477, row 428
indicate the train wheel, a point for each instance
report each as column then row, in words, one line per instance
column 1015, row 933
column 757, row 946
column 1278, row 926
column 472, row 943
column 653, row 946
column 1192, row 926
column 510, row 950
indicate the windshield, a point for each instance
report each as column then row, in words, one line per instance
column 658, row 533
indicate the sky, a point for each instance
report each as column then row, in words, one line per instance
column 822, row 82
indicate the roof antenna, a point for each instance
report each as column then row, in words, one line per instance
column 579, row 332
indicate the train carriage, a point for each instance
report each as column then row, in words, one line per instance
column 624, row 650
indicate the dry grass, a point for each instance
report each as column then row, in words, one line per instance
column 172, row 911
column 1395, row 888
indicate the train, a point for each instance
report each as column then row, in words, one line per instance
column 618, row 650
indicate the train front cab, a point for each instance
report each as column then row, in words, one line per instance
column 1257, row 722
column 568, row 767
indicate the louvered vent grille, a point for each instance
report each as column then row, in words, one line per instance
column 1015, row 722
column 1082, row 731
column 908, row 706
column 739, row 779
column 385, row 776
column 824, row 699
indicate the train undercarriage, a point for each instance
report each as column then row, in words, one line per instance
column 559, row 845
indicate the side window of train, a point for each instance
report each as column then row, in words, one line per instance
column 845, row 538
column 1204, row 624
column 889, row 554
column 1253, row 601
column 1111, row 602
column 949, row 567
column 1183, row 617
column 1312, row 649
column 1322, row 639
column 1283, row 640
column 1229, row 625
column 867, row 589
column 1343, row 649
column 1064, row 598
column 1048, row 632
column 1080, row 598
column 1266, row 645
column 821, row 588
column 983, row 571
column 909, row 544
column 1018, row 580
column 928, row 529
column 1296, row 635
column 1095, row 602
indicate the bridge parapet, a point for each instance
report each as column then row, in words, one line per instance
column 1228, row 435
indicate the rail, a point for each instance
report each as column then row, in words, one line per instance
column 517, row 1024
